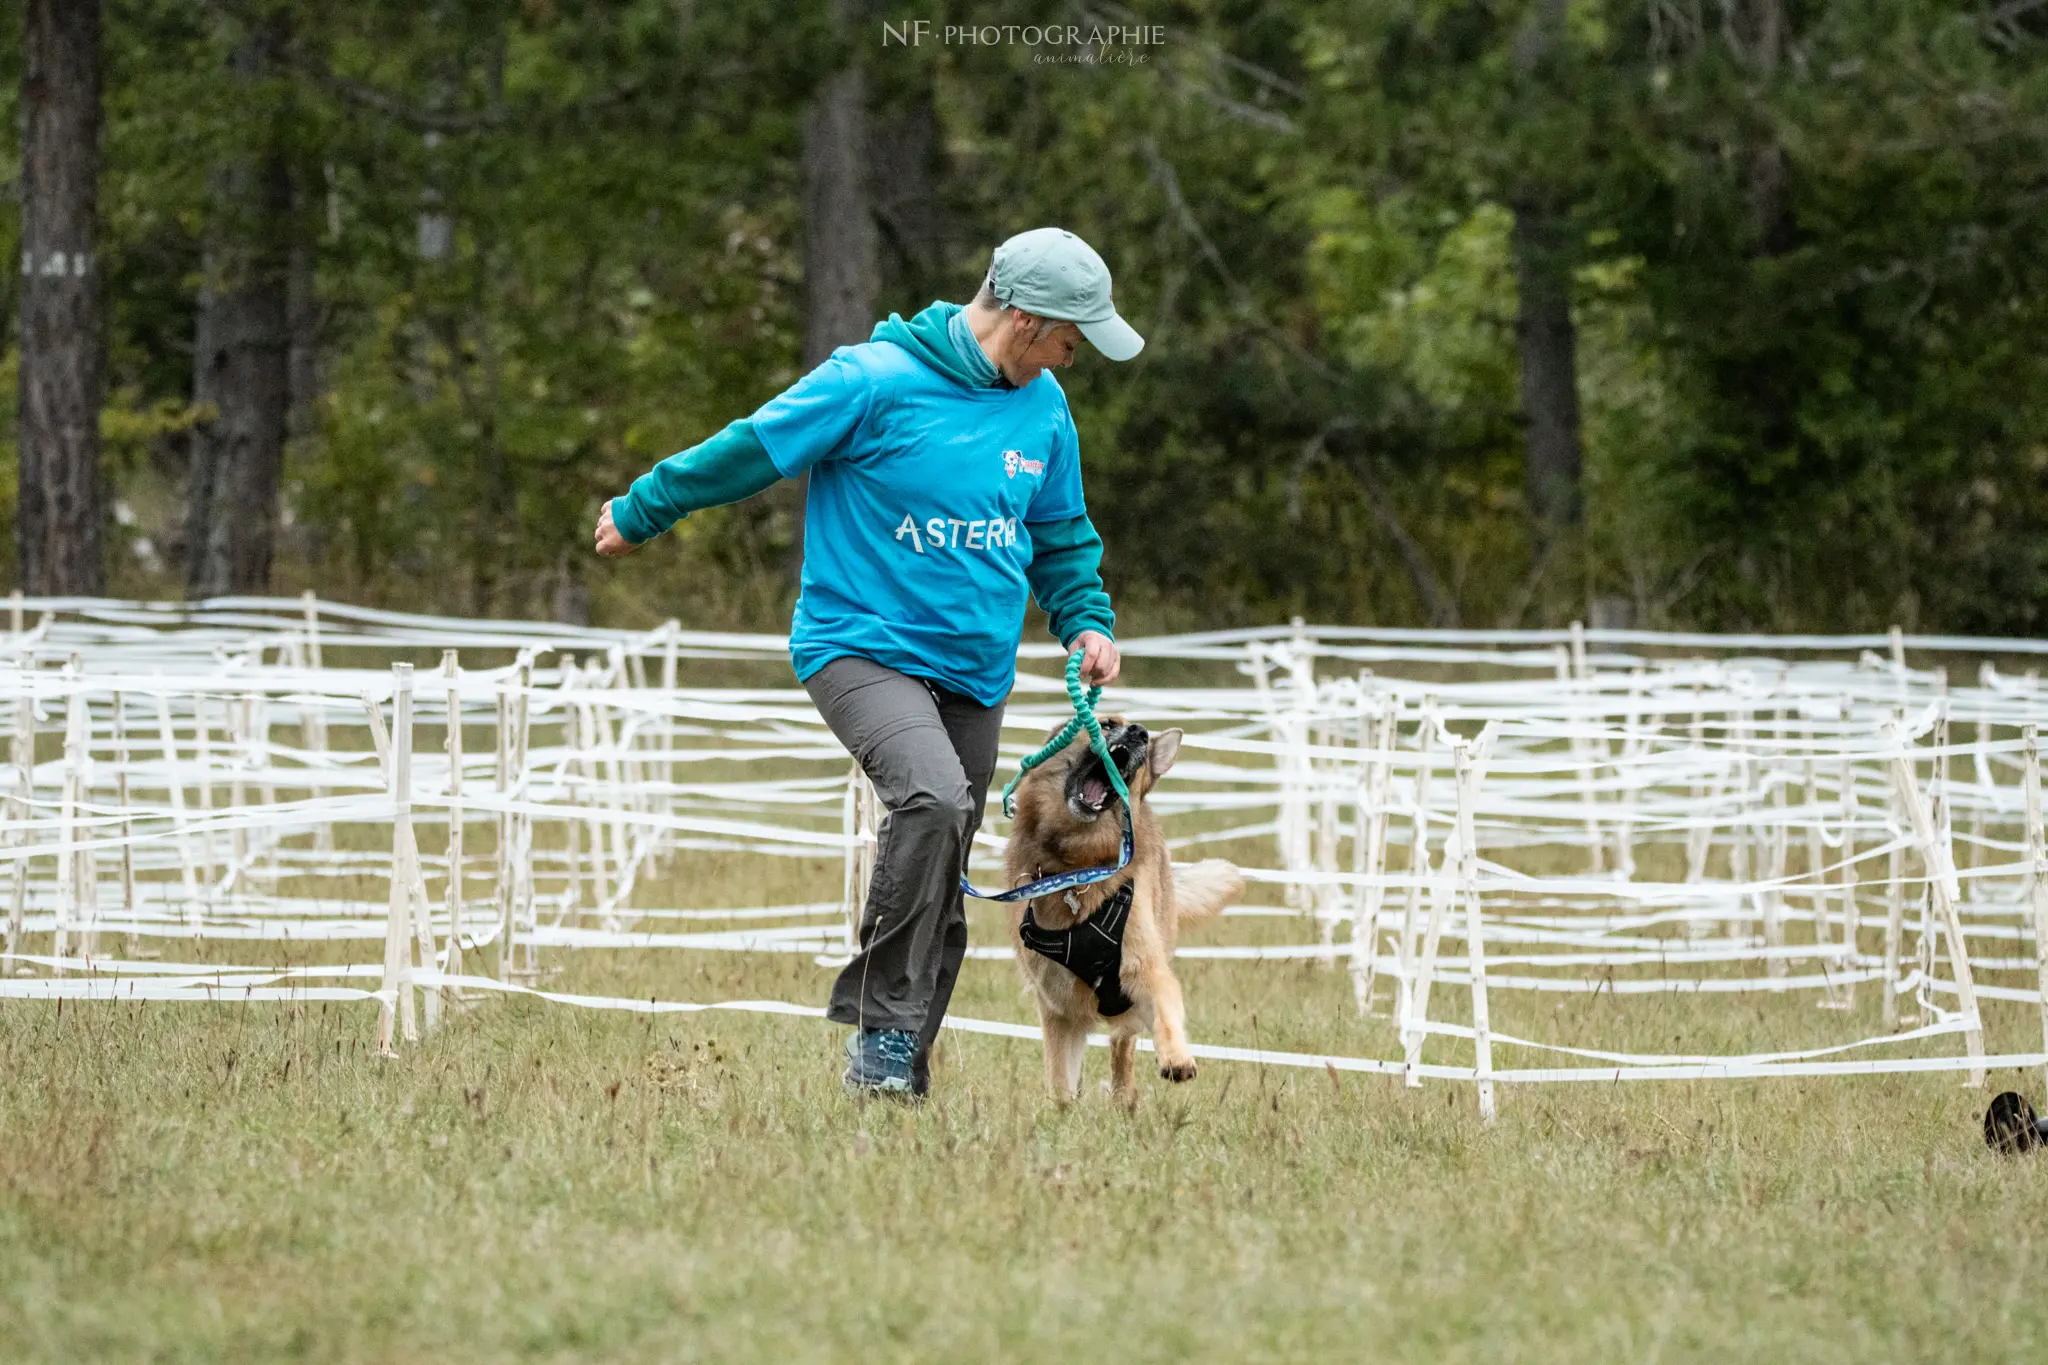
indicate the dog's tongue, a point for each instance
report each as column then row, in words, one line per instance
column 1095, row 792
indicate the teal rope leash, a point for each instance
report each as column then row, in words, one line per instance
column 1084, row 719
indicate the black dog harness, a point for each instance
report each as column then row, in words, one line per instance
column 1092, row 950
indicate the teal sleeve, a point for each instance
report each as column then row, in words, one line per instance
column 727, row 467
column 1066, row 577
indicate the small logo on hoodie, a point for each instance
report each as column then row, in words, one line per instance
column 1015, row 463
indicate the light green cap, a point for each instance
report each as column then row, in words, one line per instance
column 1051, row 272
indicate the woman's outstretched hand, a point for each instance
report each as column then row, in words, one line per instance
column 610, row 543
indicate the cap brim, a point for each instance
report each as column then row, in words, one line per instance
column 1113, row 337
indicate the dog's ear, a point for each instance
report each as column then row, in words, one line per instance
column 1165, row 745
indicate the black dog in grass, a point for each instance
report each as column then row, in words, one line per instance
column 2011, row 1126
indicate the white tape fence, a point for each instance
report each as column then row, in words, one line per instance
column 1444, row 811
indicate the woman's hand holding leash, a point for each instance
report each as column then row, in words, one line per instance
column 1100, row 659
column 610, row 543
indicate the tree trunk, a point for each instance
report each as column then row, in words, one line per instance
column 842, row 272
column 1543, row 324
column 241, row 361
column 58, row 517
column 304, row 324
column 1550, row 368
column 912, row 225
column 1755, row 32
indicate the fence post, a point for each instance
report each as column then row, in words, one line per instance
column 1941, row 881
column 522, row 865
column 203, row 756
column 452, row 962
column 504, row 789
column 1440, row 893
column 1471, row 767
column 397, row 753
column 130, row 946
column 22, row 799
column 1418, row 858
column 1773, row 898
column 68, row 861
column 1379, row 777
column 2037, row 872
column 1571, row 669
column 1852, row 914
column 672, row 629
column 1895, row 898
column 419, row 912
column 313, row 719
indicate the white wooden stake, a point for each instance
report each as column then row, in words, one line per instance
column 504, row 850
column 452, row 962
column 1379, row 779
column 1571, row 669
column 174, row 786
column 1635, row 741
column 1440, row 892
column 236, row 713
column 2037, row 872
column 1418, row 859
column 1852, row 915
column 849, row 910
column 1471, row 768
column 260, row 759
column 1981, row 765
column 1937, row 808
column 1743, row 828
column 617, row 780
column 23, row 795
column 418, row 911
column 203, row 755
column 1818, row 897
column 1325, row 778
column 1941, row 878
column 862, row 818
column 313, row 719
column 129, row 944
column 672, row 629
column 522, row 734
column 67, row 812
column 397, row 751
column 1773, row 899
column 1699, row 840
column 1895, row 900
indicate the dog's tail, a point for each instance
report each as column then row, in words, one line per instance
column 1203, row 889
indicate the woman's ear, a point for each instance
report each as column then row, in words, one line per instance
column 1165, row 745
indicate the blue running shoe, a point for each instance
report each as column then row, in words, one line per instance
column 879, row 1062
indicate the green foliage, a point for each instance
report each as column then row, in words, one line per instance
column 1806, row 292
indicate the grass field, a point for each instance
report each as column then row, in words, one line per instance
column 542, row 1182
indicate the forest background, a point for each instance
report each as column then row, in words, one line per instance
column 1722, row 314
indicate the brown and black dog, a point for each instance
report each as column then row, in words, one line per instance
column 1066, row 818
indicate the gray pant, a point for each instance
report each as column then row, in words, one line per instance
column 930, row 752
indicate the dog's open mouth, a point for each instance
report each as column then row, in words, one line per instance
column 1088, row 790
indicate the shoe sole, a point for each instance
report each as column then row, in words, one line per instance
column 889, row 1089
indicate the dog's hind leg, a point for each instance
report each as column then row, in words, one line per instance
column 1123, row 1068
column 1066, row 1042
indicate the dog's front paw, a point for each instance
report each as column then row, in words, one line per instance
column 1177, row 1068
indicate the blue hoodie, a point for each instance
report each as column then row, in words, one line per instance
column 1065, row 553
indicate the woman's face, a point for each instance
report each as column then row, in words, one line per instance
column 1054, row 350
